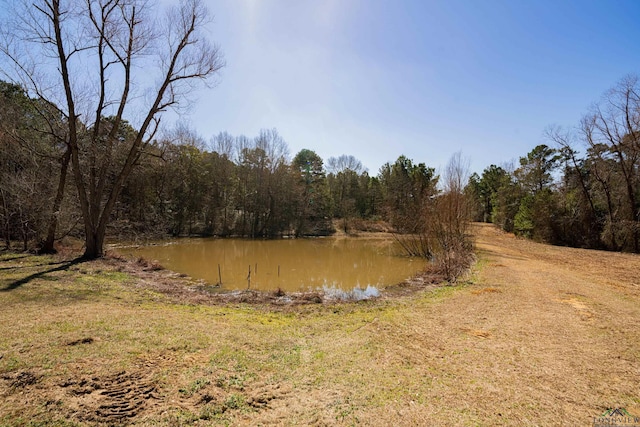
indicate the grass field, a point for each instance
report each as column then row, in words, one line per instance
column 535, row 335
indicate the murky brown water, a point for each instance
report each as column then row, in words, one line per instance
column 291, row 265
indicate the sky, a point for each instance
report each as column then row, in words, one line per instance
column 426, row 79
column 377, row 79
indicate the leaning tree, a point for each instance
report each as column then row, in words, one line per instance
column 99, row 59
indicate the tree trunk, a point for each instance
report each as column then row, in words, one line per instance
column 632, row 215
column 24, row 228
column 94, row 241
column 47, row 244
column 7, row 223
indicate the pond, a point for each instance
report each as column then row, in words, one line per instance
column 329, row 264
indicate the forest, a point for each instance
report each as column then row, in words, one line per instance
column 583, row 189
column 185, row 185
column 253, row 187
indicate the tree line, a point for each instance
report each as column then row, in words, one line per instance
column 184, row 185
column 583, row 189
column 251, row 186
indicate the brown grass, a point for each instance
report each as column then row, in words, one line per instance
column 485, row 291
column 536, row 335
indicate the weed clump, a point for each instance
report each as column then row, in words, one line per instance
column 149, row 265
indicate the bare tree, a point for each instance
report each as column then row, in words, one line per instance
column 439, row 230
column 223, row 144
column 106, row 55
column 450, row 218
column 612, row 133
column 565, row 141
column 275, row 148
column 335, row 165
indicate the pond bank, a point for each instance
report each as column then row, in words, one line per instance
column 184, row 289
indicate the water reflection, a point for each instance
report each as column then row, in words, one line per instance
column 291, row 265
column 356, row 294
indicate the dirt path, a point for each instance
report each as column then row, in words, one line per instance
column 552, row 335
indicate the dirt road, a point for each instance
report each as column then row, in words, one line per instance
column 545, row 336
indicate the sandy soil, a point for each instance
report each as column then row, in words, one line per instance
column 536, row 335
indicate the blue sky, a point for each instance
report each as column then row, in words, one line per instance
column 381, row 78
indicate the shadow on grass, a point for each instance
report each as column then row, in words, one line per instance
column 17, row 267
column 13, row 258
column 63, row 266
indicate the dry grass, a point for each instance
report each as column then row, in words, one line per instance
column 485, row 291
column 537, row 335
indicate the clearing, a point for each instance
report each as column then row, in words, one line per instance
column 536, row 335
